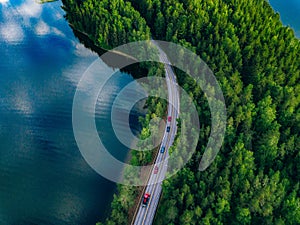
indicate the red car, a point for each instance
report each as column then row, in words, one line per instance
column 146, row 199
column 169, row 118
column 155, row 169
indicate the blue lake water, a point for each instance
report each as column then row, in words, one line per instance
column 289, row 13
column 43, row 177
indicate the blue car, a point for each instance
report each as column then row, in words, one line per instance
column 168, row 128
column 162, row 150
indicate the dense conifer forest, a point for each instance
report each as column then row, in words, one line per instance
column 255, row 177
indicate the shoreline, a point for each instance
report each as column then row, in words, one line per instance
column 286, row 21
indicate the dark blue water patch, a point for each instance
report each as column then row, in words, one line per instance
column 41, row 55
column 104, row 111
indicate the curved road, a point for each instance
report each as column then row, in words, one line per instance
column 145, row 215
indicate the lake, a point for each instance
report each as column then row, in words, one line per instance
column 43, row 177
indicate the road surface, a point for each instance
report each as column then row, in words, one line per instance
column 145, row 215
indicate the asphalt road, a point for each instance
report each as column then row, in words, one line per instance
column 145, row 215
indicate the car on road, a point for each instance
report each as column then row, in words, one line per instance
column 169, row 118
column 168, row 128
column 162, row 150
column 155, row 169
column 146, row 199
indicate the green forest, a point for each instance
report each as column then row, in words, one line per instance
column 256, row 60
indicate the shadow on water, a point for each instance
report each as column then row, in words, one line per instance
column 134, row 68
